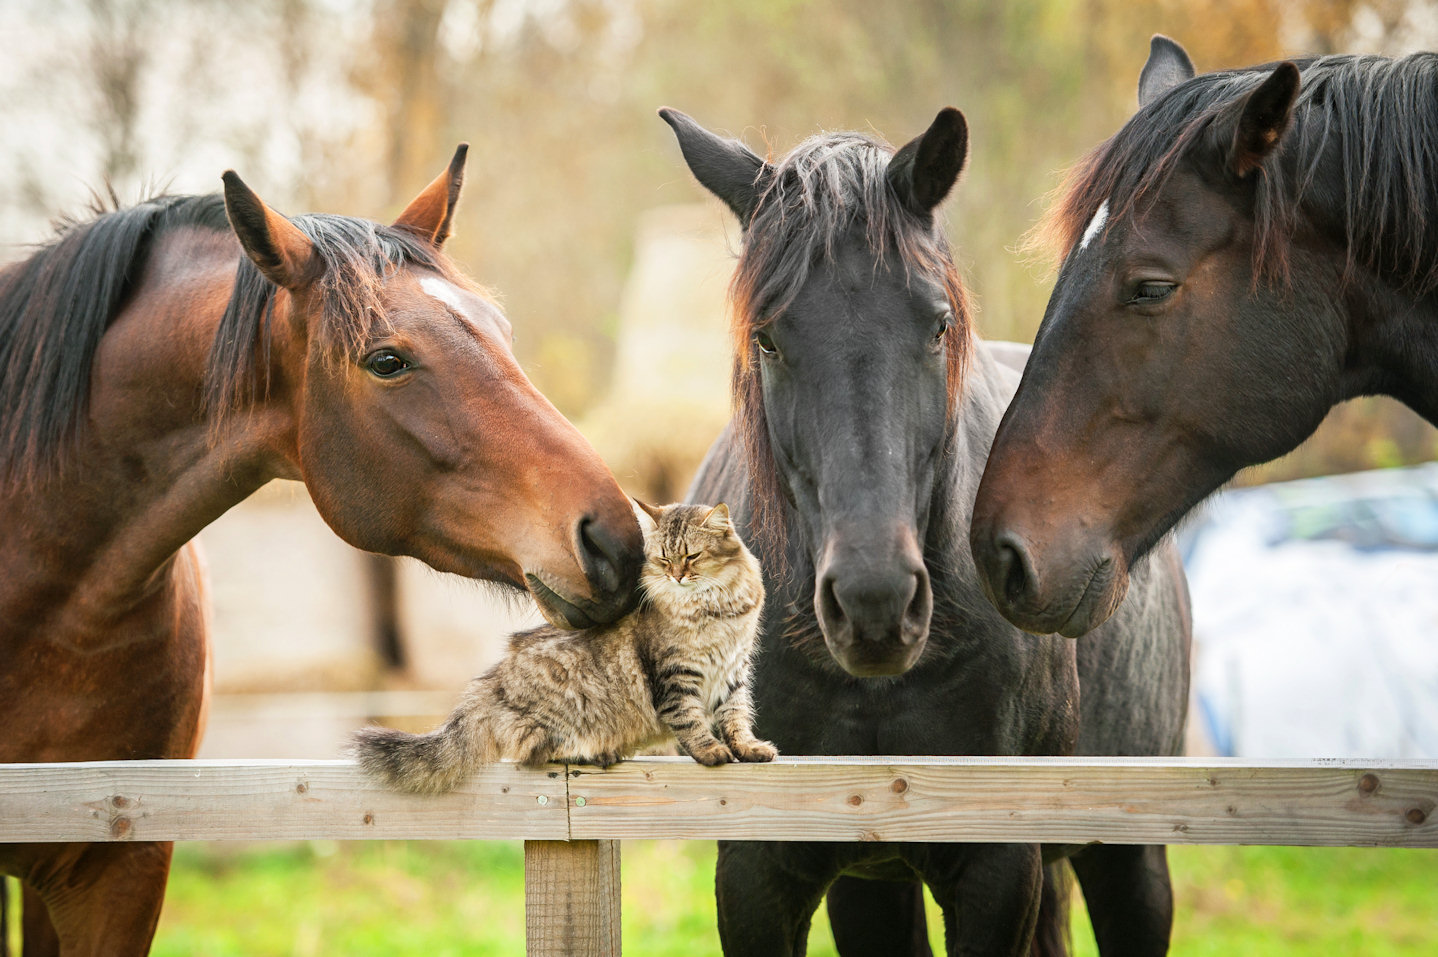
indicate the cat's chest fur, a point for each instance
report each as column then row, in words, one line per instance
column 713, row 634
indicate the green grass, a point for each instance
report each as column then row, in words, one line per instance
column 436, row 899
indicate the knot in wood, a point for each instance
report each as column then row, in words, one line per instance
column 899, row 786
column 855, row 800
column 369, row 817
column 120, row 827
column 120, row 801
column 1368, row 783
column 301, row 788
column 1416, row 815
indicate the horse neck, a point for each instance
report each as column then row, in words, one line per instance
column 1393, row 345
column 147, row 476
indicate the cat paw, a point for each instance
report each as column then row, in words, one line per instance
column 713, row 755
column 755, row 751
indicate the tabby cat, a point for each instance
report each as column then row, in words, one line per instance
column 677, row 667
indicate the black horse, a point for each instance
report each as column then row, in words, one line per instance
column 864, row 413
column 1253, row 247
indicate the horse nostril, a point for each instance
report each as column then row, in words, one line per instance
column 599, row 553
column 921, row 606
column 830, row 611
column 1015, row 568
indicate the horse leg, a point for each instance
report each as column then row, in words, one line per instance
column 1129, row 898
column 878, row 918
column 989, row 894
column 767, row 894
column 37, row 934
column 103, row 899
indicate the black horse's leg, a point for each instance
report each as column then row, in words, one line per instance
column 767, row 894
column 1130, row 901
column 878, row 918
column 989, row 894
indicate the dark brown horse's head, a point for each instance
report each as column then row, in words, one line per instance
column 850, row 332
column 414, row 429
column 1198, row 323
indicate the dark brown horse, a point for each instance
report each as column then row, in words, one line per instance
column 1252, row 248
column 153, row 376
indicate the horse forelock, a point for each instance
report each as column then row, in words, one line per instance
column 812, row 201
column 1364, row 126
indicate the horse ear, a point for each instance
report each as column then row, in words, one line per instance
column 1168, row 65
column 725, row 167
column 284, row 254
column 924, row 169
column 430, row 215
column 1263, row 119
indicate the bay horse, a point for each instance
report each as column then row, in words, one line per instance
column 864, row 409
column 162, row 362
column 1253, row 247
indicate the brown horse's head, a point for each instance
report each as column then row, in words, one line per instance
column 415, row 430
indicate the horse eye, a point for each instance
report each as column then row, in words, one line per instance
column 386, row 364
column 1150, row 292
column 942, row 330
column 766, row 344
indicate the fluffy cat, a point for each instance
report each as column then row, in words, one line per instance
column 677, row 667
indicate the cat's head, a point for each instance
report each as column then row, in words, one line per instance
column 688, row 546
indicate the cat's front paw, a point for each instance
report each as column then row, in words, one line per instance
column 712, row 755
column 755, row 751
column 606, row 760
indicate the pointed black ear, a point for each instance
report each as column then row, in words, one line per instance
column 430, row 215
column 284, row 254
column 1168, row 65
column 924, row 169
column 727, row 168
column 1265, row 116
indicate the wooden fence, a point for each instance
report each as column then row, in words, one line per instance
column 571, row 816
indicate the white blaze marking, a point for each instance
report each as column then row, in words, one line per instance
column 1094, row 227
column 444, row 292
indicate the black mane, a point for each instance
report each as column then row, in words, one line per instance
column 54, row 308
column 1361, row 154
column 56, row 305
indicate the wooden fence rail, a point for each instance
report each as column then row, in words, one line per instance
column 570, row 816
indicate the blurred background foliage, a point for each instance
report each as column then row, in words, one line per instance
column 352, row 106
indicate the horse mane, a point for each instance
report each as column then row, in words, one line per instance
column 1361, row 151
column 829, row 185
column 56, row 305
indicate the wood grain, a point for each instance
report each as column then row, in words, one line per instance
column 1050, row 800
column 262, row 800
column 1053, row 800
column 571, row 898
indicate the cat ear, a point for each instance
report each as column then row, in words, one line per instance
column 718, row 519
column 648, row 515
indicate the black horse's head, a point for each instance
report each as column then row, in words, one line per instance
column 851, row 333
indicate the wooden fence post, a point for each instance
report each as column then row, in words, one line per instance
column 571, row 898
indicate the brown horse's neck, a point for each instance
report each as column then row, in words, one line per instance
column 99, row 538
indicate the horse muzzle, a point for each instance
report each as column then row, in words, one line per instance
column 874, row 605
column 1045, row 586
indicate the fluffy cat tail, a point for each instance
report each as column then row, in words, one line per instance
column 430, row 763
